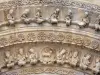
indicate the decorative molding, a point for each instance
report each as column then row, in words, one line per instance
column 69, row 3
column 42, row 69
column 43, row 36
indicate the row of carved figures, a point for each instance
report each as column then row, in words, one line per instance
column 54, row 19
column 48, row 56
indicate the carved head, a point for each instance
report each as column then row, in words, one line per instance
column 69, row 12
column 38, row 13
column 57, row 11
column 97, row 60
column 31, row 50
column 11, row 10
column 7, row 54
column 86, row 14
column 26, row 11
column 88, row 56
column 63, row 51
column 38, row 9
column 21, row 51
column 75, row 54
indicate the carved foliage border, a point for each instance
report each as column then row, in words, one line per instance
column 39, row 70
column 49, row 36
column 71, row 3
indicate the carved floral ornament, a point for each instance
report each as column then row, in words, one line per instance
column 49, row 36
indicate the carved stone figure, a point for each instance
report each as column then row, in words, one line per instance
column 24, row 16
column 9, row 60
column 85, row 61
column 61, row 56
column 75, row 58
column 21, row 59
column 54, row 17
column 68, row 18
column 68, row 56
column 38, row 16
column 99, row 19
column 32, row 58
column 47, row 56
column 85, row 20
column 96, row 68
column 97, row 26
column 10, row 16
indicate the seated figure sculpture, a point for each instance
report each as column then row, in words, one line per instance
column 54, row 17
column 21, row 59
column 96, row 68
column 85, row 61
column 32, row 58
column 68, row 18
column 24, row 16
column 61, row 56
column 75, row 58
column 85, row 21
column 10, row 16
column 9, row 60
column 38, row 16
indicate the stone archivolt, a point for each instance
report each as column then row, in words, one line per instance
column 53, row 19
column 57, row 27
column 50, row 56
column 43, row 36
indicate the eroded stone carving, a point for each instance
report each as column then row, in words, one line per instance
column 10, row 16
column 68, row 18
column 96, row 68
column 97, row 26
column 25, row 15
column 21, row 58
column 85, row 61
column 44, row 36
column 75, row 58
column 85, row 21
column 32, row 58
column 55, row 16
column 47, row 56
column 9, row 60
column 68, row 56
column 38, row 16
column 61, row 56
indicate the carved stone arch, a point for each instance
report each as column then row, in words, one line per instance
column 63, row 40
